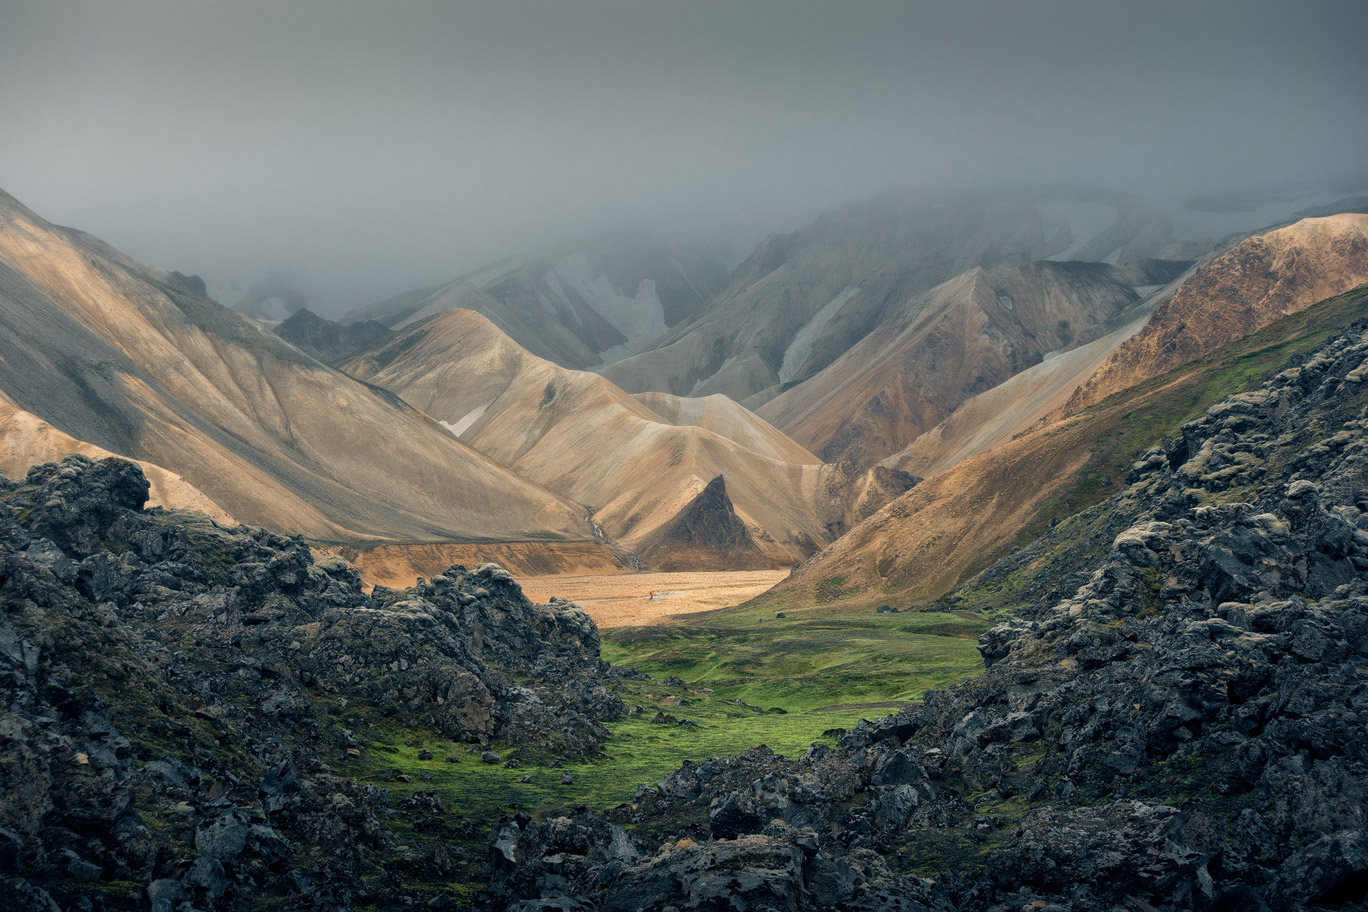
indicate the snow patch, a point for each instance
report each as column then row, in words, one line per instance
column 472, row 416
column 803, row 340
column 1085, row 220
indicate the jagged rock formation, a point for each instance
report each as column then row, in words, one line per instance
column 1254, row 283
column 327, row 340
column 138, row 362
column 176, row 697
column 1183, row 730
column 706, row 533
column 586, row 305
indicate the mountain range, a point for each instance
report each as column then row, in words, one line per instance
column 245, row 662
column 888, row 342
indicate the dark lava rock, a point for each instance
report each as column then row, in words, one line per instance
column 172, row 695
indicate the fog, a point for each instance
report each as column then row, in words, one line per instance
column 348, row 151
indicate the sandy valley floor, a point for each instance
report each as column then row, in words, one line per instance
column 622, row 600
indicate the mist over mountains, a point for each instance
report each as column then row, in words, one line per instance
column 356, row 154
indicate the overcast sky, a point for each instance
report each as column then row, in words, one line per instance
column 362, row 149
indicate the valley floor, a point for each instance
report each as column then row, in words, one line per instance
column 625, row 599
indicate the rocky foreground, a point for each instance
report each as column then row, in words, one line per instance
column 1187, row 729
column 1179, row 721
column 172, row 693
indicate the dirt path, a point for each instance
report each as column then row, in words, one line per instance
column 622, row 600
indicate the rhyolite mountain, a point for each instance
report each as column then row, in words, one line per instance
column 580, row 305
column 1170, row 719
column 1000, row 462
column 961, row 338
column 635, row 461
column 139, row 362
column 1260, row 279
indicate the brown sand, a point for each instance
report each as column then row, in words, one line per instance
column 621, row 600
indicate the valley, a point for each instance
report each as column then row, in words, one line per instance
column 566, row 582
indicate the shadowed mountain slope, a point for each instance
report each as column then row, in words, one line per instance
column 136, row 361
column 327, row 340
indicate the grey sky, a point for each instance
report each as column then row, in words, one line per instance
column 366, row 148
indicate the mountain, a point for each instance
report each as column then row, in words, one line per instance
column 802, row 300
column 706, row 532
column 327, row 340
column 920, row 545
column 138, row 362
column 961, row 338
column 636, row 462
column 1257, row 281
column 1008, row 456
column 581, row 306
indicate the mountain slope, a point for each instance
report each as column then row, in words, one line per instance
column 801, row 300
column 636, row 462
column 961, row 338
column 138, row 362
column 921, row 544
column 577, row 307
column 27, row 440
column 1257, row 281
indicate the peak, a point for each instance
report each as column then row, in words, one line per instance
column 304, row 317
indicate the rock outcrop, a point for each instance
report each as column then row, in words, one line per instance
column 174, row 697
column 1184, row 730
column 706, row 533
column 327, row 340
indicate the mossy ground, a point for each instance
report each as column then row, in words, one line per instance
column 823, row 674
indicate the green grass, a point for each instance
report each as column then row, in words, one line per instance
column 805, row 663
column 823, row 674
